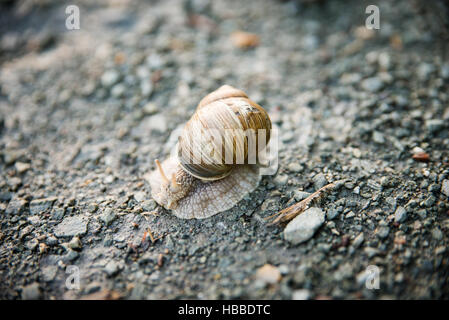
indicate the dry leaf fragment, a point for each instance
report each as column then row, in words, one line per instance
column 244, row 40
column 119, row 58
column 396, row 42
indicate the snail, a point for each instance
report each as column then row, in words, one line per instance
column 215, row 163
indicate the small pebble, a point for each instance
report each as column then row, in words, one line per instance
column 358, row 240
column 301, row 294
column 109, row 78
column 32, row 292
column 295, row 167
column 108, row 216
column 75, row 243
column 71, row 226
column 303, row 227
column 445, row 187
column 319, row 181
column 373, row 84
column 112, row 268
column 21, row 167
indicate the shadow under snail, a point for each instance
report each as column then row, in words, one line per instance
column 207, row 176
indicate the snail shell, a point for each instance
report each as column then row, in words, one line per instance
column 202, row 180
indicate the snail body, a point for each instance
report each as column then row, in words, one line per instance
column 215, row 165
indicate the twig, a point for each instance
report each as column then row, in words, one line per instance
column 163, row 235
column 291, row 212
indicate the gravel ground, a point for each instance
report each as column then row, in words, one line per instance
column 84, row 113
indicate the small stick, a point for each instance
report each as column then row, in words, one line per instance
column 291, row 212
column 161, row 171
column 148, row 213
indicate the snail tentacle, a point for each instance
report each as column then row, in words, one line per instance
column 161, row 171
